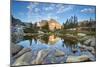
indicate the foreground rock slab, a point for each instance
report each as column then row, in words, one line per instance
column 40, row 56
column 81, row 58
column 15, row 48
column 24, row 50
column 23, row 60
column 59, row 53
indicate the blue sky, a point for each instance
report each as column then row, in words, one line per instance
column 36, row 11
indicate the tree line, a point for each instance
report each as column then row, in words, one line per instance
column 73, row 22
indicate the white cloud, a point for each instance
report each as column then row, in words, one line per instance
column 52, row 16
column 48, row 16
column 88, row 10
column 32, row 5
column 36, row 10
column 48, row 8
column 62, row 8
column 56, row 17
column 58, row 8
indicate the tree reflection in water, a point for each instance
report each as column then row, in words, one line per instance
column 52, row 39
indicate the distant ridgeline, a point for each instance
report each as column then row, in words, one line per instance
column 44, row 25
column 15, row 21
column 52, row 25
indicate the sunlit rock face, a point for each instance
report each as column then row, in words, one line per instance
column 53, row 39
column 53, row 24
column 49, row 24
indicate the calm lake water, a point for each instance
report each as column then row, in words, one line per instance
column 51, row 41
column 68, row 45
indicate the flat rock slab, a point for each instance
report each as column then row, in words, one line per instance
column 81, row 58
column 40, row 56
column 59, row 53
column 15, row 48
column 24, row 59
column 24, row 50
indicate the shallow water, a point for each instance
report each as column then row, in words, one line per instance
column 53, row 42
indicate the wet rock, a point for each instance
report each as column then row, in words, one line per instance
column 40, row 56
column 90, row 49
column 15, row 48
column 85, row 38
column 23, row 60
column 81, row 58
column 87, row 47
column 40, row 32
column 83, row 49
column 87, row 42
column 24, row 50
column 20, row 63
column 93, row 52
column 93, row 42
column 81, row 34
column 59, row 53
column 90, row 42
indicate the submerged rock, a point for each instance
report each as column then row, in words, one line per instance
column 15, row 48
column 74, row 50
column 81, row 58
column 40, row 56
column 59, row 53
column 23, row 60
column 24, row 50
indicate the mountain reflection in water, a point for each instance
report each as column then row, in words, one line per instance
column 38, row 42
column 68, row 44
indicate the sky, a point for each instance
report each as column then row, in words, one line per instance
column 37, row 11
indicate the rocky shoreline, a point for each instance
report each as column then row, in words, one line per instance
column 24, row 56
